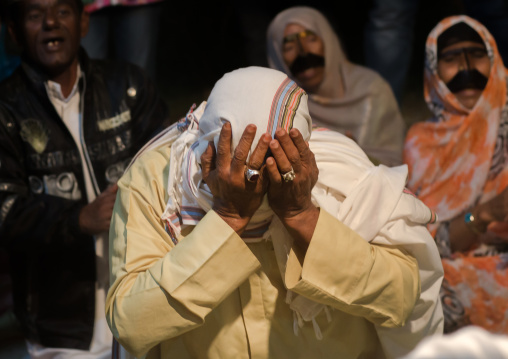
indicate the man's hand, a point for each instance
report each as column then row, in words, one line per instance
column 288, row 199
column 495, row 210
column 234, row 198
column 95, row 217
column 291, row 201
column 491, row 217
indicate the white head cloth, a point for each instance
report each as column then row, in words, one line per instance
column 470, row 342
column 370, row 200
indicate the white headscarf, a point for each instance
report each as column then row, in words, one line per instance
column 370, row 200
column 367, row 107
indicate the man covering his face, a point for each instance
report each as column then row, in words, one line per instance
column 210, row 261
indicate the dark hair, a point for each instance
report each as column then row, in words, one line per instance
column 11, row 10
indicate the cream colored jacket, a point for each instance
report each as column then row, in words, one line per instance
column 214, row 296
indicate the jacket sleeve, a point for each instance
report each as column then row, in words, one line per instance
column 342, row 270
column 28, row 220
column 161, row 290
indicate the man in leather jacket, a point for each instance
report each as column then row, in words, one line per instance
column 68, row 127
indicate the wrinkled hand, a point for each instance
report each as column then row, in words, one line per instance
column 288, row 199
column 95, row 217
column 492, row 238
column 291, row 201
column 497, row 233
column 234, row 198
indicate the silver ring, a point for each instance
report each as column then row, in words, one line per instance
column 251, row 175
column 289, row 176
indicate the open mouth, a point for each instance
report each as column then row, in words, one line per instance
column 53, row 43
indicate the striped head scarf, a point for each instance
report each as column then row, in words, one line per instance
column 264, row 97
column 457, row 158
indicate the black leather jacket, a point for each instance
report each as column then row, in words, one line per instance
column 42, row 189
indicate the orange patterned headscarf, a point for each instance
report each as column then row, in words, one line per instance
column 458, row 158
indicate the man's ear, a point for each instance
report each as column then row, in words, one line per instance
column 85, row 23
column 11, row 28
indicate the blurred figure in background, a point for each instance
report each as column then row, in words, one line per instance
column 494, row 15
column 129, row 27
column 68, row 127
column 389, row 40
column 343, row 96
column 458, row 167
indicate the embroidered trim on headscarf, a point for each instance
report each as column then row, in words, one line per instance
column 284, row 106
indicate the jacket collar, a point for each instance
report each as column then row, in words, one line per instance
column 38, row 77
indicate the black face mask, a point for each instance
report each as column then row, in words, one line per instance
column 305, row 62
column 467, row 79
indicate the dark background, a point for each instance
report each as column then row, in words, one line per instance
column 199, row 42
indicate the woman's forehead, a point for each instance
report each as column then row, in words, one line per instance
column 293, row 28
column 459, row 46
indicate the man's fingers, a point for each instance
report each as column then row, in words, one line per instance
column 273, row 172
column 257, row 157
column 104, row 226
column 299, row 142
column 289, row 148
column 113, row 188
column 109, row 191
column 208, row 160
column 280, row 157
column 107, row 206
column 224, row 147
column 242, row 150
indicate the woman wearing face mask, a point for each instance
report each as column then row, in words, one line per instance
column 343, row 96
column 457, row 166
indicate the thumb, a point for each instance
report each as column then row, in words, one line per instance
column 110, row 190
column 208, row 160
